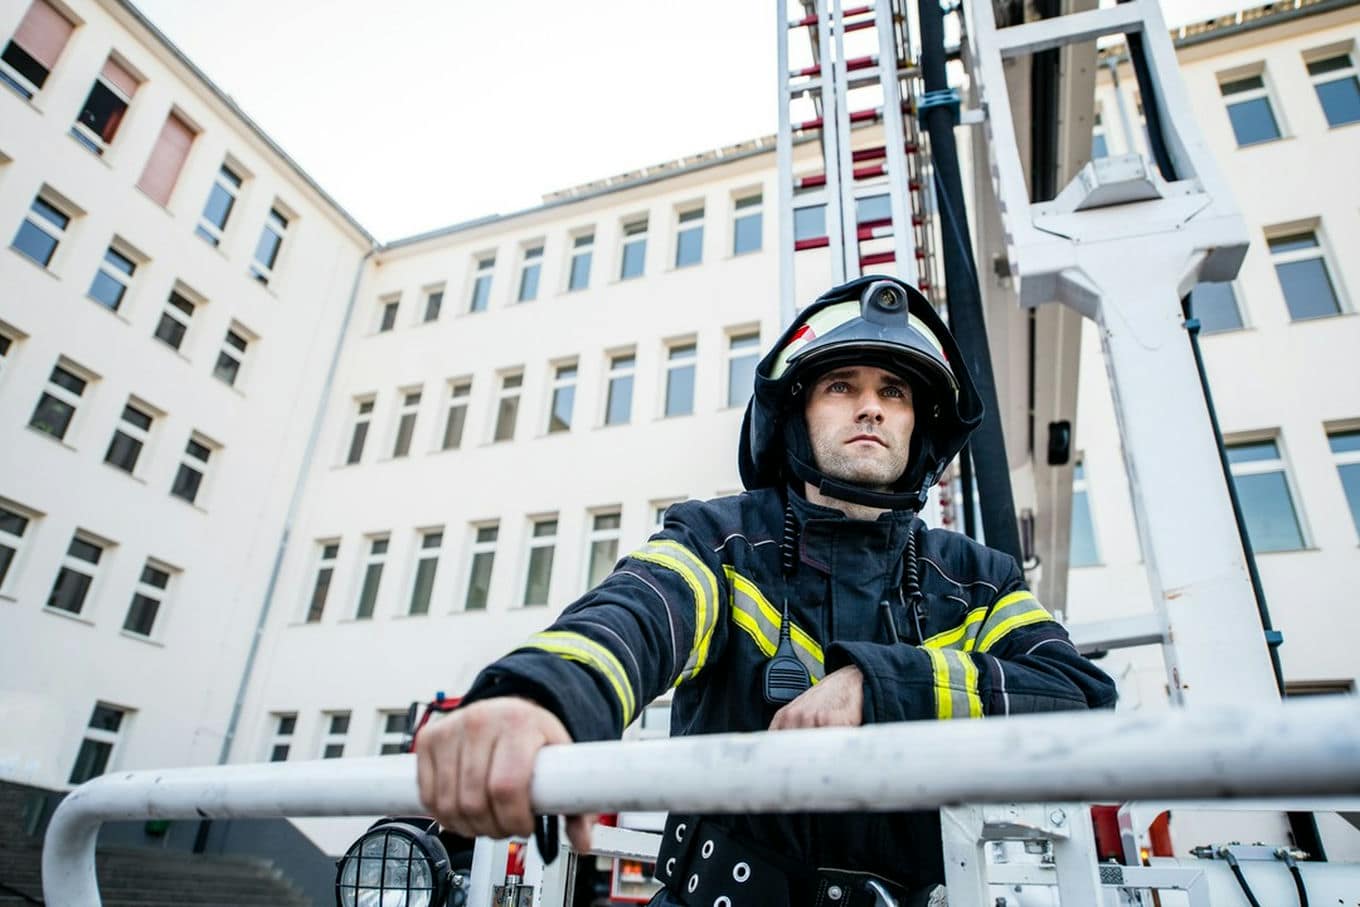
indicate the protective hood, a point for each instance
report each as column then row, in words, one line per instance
column 875, row 321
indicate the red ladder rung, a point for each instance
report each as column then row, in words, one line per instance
column 879, row 258
column 816, row 242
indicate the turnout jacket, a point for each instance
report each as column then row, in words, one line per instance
column 698, row 608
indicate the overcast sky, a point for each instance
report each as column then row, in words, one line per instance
column 415, row 114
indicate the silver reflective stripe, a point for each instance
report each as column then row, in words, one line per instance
column 703, row 587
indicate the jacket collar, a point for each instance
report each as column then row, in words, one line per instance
column 870, row 548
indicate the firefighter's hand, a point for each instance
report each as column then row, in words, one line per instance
column 838, row 701
column 475, row 767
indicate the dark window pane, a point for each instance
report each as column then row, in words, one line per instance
column 333, row 751
column 809, row 222
column 391, row 749
column 103, row 111
column 1329, row 64
column 134, row 416
column 395, row 723
column 85, row 551
column 689, row 247
column 187, row 482
column 479, row 583
column 1083, row 543
column 389, row 316
column 580, row 271
column 50, row 213
column 218, row 208
column 424, row 584
column 1250, row 83
column 6, row 558
column 432, row 540
column 634, row 259
column 340, row 723
column 104, row 718
column 873, row 208
column 279, row 753
column 318, row 603
column 1215, row 305
column 52, row 416
column 506, row 412
column 197, row 451
column 91, row 761
column 227, row 368
column 1293, row 242
column 170, row 331
column 69, row 591
column 453, row 428
column 26, row 66
column 488, row 533
column 287, row 724
column 62, row 378
column 1253, row 452
column 369, row 593
column 1269, row 512
column 746, row 234
column 1340, row 100
column 433, row 303
column 35, row 243
column 267, row 251
column 1350, row 484
column 563, row 400
column 356, row 442
column 1340, row 442
column 107, row 291
column 1307, row 289
column 1253, row 121
column 141, row 615
column 123, row 452
column 481, row 293
column 620, row 404
column 528, row 282
column 405, row 429
column 154, row 577
column 540, row 574
column 330, row 551
column 15, row 524
column 680, row 391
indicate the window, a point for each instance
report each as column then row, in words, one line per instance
column 406, row 422
column 57, row 405
column 373, row 570
column 873, row 209
column 363, row 415
column 78, row 570
column 325, row 571
column 33, row 51
column 604, row 546
column 267, row 249
column 743, row 352
column 427, row 562
column 582, row 250
column 147, row 598
column 101, row 736
column 232, row 354
column 111, row 280
column 434, row 301
column 459, row 392
column 1345, row 448
column 217, row 211
column 1262, row 488
column 1100, row 147
column 282, row 741
column 189, row 479
column 680, row 379
column 1337, row 88
column 746, row 225
column 542, row 543
column 659, row 509
column 174, row 323
column 634, row 257
column 1082, row 551
column 529, row 273
column 1215, row 305
column 392, row 740
column 507, row 406
column 563, row 398
column 483, row 559
column 337, row 728
column 481, row 284
column 809, row 223
column 42, row 230
column 1249, row 109
column 167, row 159
column 387, row 318
column 6, row 343
column 1304, row 276
column 689, row 238
column 618, row 407
column 129, row 437
column 99, row 118
column 13, row 525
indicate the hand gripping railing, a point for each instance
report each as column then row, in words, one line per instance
column 1298, row 749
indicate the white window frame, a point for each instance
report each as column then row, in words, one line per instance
column 331, row 737
column 743, row 207
column 279, row 221
column 424, row 551
column 476, row 547
column 409, row 408
column 101, row 735
column 134, row 259
column 324, row 559
column 1339, row 459
column 56, row 233
column 214, row 233
column 379, row 545
column 161, row 596
column 459, row 397
column 229, row 350
column 582, row 244
column 16, row 542
column 192, row 460
column 689, row 218
column 1265, row 92
column 362, row 418
column 565, row 375
column 617, row 372
column 63, row 395
column 534, row 542
column 428, row 294
column 84, row 134
column 8, row 342
column 175, row 314
column 531, row 260
column 134, row 432
column 1320, row 251
column 1281, row 465
column 733, row 353
column 390, row 301
column 95, row 571
column 596, row 535
column 1320, row 54
column 387, row 737
column 279, row 737
column 503, row 392
column 633, row 230
column 690, row 359
column 483, row 266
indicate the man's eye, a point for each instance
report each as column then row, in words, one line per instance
column 893, row 390
column 837, row 387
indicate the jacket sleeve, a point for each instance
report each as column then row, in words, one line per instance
column 653, row 623
column 1007, row 657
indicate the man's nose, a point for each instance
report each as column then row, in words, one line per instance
column 869, row 408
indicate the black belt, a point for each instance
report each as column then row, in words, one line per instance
column 703, row 865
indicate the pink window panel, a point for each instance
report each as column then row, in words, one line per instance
column 43, row 33
column 167, row 159
column 119, row 77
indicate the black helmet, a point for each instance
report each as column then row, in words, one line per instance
column 877, row 321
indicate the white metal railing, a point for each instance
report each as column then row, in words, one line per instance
column 1299, row 749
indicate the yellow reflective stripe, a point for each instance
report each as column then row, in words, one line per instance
column 577, row 647
column 703, row 585
column 950, row 639
column 1019, row 609
column 956, row 684
column 752, row 611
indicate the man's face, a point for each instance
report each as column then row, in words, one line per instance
column 859, row 420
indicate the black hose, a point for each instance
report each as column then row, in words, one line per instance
column 1241, row 879
column 1298, row 883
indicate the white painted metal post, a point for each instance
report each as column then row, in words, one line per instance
column 894, row 146
column 783, row 153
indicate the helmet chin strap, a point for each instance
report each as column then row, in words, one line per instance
column 853, row 494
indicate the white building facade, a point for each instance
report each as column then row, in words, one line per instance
column 516, row 400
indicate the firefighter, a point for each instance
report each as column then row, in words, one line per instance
column 816, row 598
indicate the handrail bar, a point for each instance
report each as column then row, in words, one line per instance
column 1293, row 749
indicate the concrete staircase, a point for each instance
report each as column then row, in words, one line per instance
column 135, row 877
